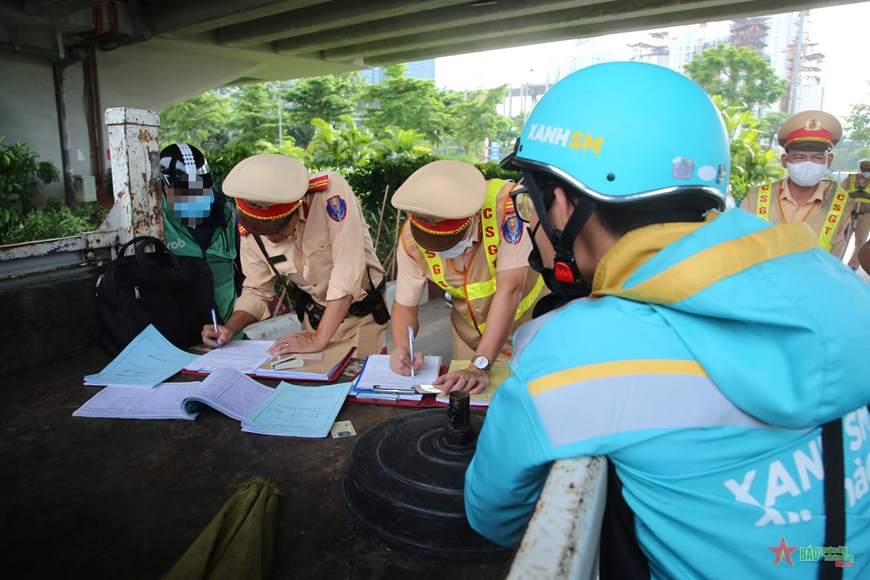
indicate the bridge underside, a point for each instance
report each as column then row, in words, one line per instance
column 264, row 40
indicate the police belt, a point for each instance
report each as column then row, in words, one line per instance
column 314, row 311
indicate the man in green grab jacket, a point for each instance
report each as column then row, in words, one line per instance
column 198, row 221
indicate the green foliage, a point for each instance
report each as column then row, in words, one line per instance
column 224, row 159
column 55, row 220
column 338, row 147
column 475, row 118
column 768, row 126
column 492, row 170
column 326, row 98
column 196, row 121
column 408, row 103
column 751, row 165
column 858, row 123
column 741, row 76
column 255, row 114
column 401, row 142
column 20, row 174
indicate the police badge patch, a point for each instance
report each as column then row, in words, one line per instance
column 336, row 208
column 512, row 230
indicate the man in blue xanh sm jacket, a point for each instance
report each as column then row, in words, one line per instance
column 711, row 350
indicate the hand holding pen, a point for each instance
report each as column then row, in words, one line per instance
column 216, row 329
column 411, row 347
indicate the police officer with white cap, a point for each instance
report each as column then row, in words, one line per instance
column 310, row 231
column 463, row 233
column 804, row 196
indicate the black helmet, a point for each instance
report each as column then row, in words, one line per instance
column 184, row 166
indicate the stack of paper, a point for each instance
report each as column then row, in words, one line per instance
column 378, row 381
column 249, row 357
column 294, row 411
column 499, row 373
column 226, row 390
column 146, row 362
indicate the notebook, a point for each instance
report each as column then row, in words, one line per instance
column 249, row 357
column 225, row 390
column 499, row 373
column 377, row 377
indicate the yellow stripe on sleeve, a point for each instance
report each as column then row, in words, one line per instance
column 615, row 369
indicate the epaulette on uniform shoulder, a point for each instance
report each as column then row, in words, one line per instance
column 318, row 183
column 243, row 231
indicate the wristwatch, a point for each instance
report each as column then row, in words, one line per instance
column 481, row 362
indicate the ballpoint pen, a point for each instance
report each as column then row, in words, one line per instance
column 214, row 320
column 411, row 347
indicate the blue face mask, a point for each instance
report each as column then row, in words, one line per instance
column 192, row 207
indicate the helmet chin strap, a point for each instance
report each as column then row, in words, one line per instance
column 565, row 268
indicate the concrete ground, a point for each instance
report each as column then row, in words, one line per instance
column 108, row 498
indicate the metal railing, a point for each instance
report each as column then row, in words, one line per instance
column 561, row 539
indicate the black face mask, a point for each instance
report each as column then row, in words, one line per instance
column 562, row 293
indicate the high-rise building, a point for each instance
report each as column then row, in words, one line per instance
column 421, row 69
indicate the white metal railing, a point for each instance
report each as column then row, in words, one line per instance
column 138, row 208
column 561, row 539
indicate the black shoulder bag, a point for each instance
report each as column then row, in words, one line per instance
column 174, row 293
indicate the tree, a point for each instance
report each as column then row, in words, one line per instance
column 858, row 123
column 750, row 165
column 255, row 114
column 407, row 103
column 741, row 76
column 768, row 126
column 476, row 118
column 338, row 147
column 196, row 120
column 327, row 98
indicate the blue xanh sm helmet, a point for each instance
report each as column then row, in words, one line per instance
column 627, row 133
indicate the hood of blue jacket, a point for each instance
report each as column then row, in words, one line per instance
column 779, row 325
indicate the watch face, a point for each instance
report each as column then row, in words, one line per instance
column 481, row 362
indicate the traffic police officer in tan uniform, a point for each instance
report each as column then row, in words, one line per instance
column 463, row 233
column 857, row 185
column 804, row 196
column 311, row 232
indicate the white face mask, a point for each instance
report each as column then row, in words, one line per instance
column 806, row 174
column 865, row 174
column 456, row 250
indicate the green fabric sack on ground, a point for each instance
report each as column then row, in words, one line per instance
column 239, row 543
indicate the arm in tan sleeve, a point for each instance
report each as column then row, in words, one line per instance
column 512, row 256
column 348, row 249
column 259, row 286
column 864, row 257
column 841, row 239
column 749, row 202
column 411, row 281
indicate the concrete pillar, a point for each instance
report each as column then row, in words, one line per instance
column 133, row 146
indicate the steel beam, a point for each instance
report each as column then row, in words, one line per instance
column 317, row 18
column 59, row 7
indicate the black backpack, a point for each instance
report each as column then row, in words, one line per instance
column 174, row 293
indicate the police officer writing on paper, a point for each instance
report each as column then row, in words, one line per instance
column 463, row 233
column 307, row 232
column 804, row 196
column 197, row 220
column 857, row 185
column 707, row 408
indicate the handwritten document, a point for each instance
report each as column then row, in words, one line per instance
column 225, row 390
column 147, row 361
column 294, row 411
